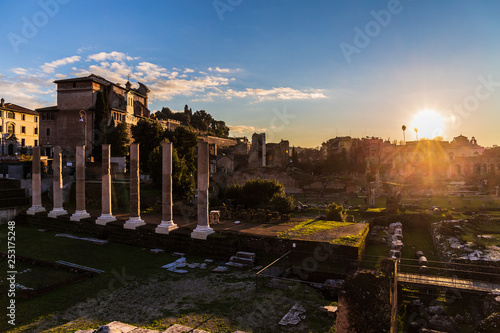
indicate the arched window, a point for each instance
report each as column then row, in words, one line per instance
column 11, row 128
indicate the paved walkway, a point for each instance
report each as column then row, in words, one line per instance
column 441, row 281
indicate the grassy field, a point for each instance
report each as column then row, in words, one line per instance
column 136, row 290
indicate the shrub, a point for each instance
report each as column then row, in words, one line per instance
column 255, row 193
column 282, row 203
column 335, row 213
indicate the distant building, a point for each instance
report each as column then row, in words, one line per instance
column 71, row 121
column 19, row 129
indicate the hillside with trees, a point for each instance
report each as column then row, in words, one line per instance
column 199, row 120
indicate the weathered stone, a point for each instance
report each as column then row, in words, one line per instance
column 106, row 214
column 167, row 223
column 80, row 212
column 135, row 197
column 203, row 229
column 57, row 185
column 293, row 316
column 443, row 323
column 36, row 188
column 182, row 329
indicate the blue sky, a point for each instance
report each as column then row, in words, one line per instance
column 304, row 71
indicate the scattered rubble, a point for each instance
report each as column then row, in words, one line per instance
column 87, row 239
column 294, row 316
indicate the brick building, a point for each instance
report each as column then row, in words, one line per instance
column 71, row 121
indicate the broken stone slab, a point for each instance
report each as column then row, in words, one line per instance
column 156, row 251
column 208, row 261
column 87, row 239
column 329, row 309
column 293, row 316
column 178, row 254
column 235, row 264
column 220, row 269
column 181, row 262
column 240, row 260
column 182, row 329
column 243, row 254
column 70, row 264
column 119, row 327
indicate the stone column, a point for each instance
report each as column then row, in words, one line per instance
column 80, row 212
column 36, row 184
column 106, row 189
column 167, row 219
column 203, row 229
column 134, row 220
column 57, row 185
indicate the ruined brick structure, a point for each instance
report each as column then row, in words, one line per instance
column 64, row 124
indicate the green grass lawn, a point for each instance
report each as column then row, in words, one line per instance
column 136, row 290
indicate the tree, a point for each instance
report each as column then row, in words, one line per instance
column 219, row 128
column 183, row 183
column 101, row 123
column 404, row 129
column 201, row 120
column 149, row 134
column 119, row 140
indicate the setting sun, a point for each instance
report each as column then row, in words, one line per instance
column 428, row 124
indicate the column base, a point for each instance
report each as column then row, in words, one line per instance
column 35, row 209
column 165, row 227
column 57, row 212
column 79, row 214
column 133, row 223
column 105, row 218
column 202, row 232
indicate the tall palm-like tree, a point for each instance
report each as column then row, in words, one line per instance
column 404, row 129
column 416, row 132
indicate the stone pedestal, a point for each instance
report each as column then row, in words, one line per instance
column 135, row 199
column 167, row 224
column 106, row 215
column 57, row 185
column 80, row 212
column 36, row 185
column 203, row 229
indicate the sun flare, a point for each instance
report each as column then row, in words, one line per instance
column 427, row 124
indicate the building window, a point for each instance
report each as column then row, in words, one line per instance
column 23, row 142
column 23, row 129
column 36, row 130
column 11, row 115
column 23, row 117
column 36, row 119
column 48, row 131
column 74, row 84
column 43, row 115
column 1, row 113
column 11, row 128
column 36, row 143
column 1, row 128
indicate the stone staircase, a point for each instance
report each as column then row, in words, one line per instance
column 242, row 259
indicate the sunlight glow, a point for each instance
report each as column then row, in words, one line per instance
column 429, row 124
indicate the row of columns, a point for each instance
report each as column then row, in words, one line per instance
column 167, row 224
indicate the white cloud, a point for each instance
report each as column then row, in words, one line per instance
column 167, row 89
column 244, row 129
column 281, row 93
column 20, row 71
column 188, row 70
column 117, row 56
column 50, row 67
column 223, row 70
